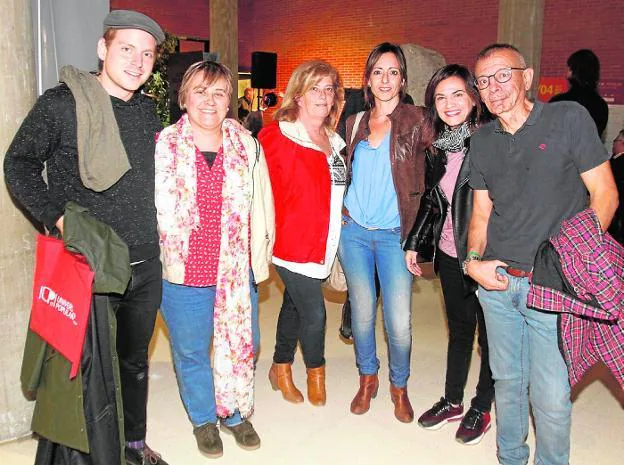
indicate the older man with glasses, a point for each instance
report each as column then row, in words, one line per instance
column 531, row 168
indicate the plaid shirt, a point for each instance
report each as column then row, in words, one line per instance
column 593, row 264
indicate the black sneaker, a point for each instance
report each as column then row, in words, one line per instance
column 208, row 440
column 440, row 414
column 244, row 433
column 145, row 456
column 473, row 427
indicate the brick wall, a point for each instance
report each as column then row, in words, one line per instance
column 573, row 24
column 344, row 31
column 190, row 18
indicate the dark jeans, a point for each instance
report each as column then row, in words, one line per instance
column 301, row 319
column 463, row 312
column 136, row 315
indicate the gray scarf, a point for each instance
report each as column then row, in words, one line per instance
column 452, row 140
column 102, row 158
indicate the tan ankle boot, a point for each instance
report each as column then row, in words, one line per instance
column 280, row 376
column 316, row 386
column 402, row 408
column 369, row 384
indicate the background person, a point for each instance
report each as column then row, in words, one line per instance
column 453, row 113
column 385, row 162
column 583, row 76
column 308, row 179
column 245, row 103
column 215, row 211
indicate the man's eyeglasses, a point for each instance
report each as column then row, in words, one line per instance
column 502, row 75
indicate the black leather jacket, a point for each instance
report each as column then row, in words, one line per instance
column 427, row 228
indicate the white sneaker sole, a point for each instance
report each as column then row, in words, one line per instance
column 476, row 440
column 437, row 426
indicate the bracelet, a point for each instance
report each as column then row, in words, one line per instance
column 472, row 255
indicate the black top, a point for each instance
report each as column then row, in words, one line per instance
column 617, row 224
column 48, row 135
column 591, row 100
column 533, row 177
column 210, row 157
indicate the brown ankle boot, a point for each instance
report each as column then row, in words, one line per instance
column 280, row 376
column 402, row 408
column 316, row 386
column 369, row 384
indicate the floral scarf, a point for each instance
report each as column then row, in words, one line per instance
column 232, row 340
column 178, row 217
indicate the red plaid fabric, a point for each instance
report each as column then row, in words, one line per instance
column 593, row 264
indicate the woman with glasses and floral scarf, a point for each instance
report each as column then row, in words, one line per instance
column 216, row 225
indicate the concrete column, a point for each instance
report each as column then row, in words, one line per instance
column 520, row 23
column 17, row 94
column 224, row 39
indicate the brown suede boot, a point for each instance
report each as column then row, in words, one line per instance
column 316, row 386
column 280, row 376
column 402, row 408
column 369, row 384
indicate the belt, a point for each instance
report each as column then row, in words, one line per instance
column 518, row 273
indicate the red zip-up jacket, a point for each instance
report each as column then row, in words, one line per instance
column 301, row 185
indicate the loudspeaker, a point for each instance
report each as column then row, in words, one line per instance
column 263, row 70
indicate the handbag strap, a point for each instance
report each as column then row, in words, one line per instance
column 356, row 125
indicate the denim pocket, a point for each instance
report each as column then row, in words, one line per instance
column 346, row 220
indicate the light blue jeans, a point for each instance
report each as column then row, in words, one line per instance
column 188, row 312
column 361, row 250
column 527, row 366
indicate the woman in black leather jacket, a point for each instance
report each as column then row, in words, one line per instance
column 454, row 111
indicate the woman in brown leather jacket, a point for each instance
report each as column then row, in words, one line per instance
column 385, row 179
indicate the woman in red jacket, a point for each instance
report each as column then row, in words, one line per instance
column 308, row 179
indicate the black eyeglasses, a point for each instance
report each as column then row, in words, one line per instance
column 502, row 75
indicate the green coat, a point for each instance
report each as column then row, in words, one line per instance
column 59, row 414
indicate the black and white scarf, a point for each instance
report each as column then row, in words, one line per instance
column 452, row 139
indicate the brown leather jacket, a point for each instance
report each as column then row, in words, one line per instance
column 407, row 158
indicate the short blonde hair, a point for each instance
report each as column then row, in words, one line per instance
column 303, row 78
column 211, row 71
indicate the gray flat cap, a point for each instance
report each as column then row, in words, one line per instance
column 129, row 19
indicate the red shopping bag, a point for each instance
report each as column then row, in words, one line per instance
column 61, row 298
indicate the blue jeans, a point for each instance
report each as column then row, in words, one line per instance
column 527, row 366
column 361, row 251
column 188, row 313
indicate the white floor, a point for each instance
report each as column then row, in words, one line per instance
column 306, row 435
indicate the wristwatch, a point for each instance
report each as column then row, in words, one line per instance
column 471, row 256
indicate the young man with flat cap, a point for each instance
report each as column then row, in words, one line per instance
column 95, row 134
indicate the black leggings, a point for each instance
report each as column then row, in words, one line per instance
column 463, row 312
column 301, row 319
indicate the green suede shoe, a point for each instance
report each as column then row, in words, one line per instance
column 244, row 433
